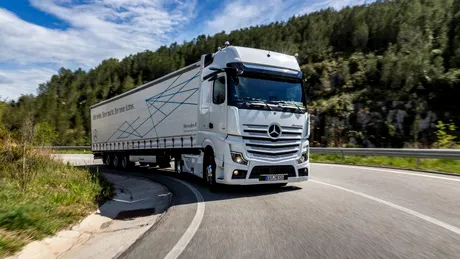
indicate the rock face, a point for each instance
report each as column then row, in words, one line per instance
column 394, row 124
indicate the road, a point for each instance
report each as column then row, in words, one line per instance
column 342, row 212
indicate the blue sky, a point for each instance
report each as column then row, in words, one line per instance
column 37, row 37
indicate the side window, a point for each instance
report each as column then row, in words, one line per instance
column 218, row 96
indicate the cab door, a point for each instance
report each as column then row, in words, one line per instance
column 218, row 105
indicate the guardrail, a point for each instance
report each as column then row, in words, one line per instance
column 66, row 147
column 393, row 152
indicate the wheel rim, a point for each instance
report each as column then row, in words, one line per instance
column 115, row 161
column 124, row 162
column 107, row 160
column 209, row 174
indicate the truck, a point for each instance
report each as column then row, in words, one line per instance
column 236, row 117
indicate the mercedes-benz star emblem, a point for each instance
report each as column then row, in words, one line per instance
column 274, row 131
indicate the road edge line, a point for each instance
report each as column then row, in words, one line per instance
column 398, row 207
column 185, row 239
column 395, row 171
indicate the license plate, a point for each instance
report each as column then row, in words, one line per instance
column 276, row 177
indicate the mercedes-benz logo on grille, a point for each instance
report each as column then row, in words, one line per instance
column 274, row 131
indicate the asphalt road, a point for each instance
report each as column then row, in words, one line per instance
column 342, row 212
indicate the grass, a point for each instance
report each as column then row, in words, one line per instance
column 57, row 196
column 437, row 165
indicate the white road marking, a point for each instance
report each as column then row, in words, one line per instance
column 398, row 207
column 394, row 172
column 191, row 230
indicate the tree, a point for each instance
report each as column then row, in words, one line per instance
column 44, row 134
column 454, row 35
column 128, row 84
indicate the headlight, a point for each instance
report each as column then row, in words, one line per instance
column 303, row 158
column 239, row 159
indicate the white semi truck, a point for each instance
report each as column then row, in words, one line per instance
column 236, row 117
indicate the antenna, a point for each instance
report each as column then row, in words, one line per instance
column 227, row 44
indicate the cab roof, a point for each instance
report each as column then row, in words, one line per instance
column 245, row 55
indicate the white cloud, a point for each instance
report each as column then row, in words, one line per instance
column 244, row 13
column 13, row 83
column 336, row 4
column 99, row 29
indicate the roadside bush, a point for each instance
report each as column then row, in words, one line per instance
column 40, row 196
column 444, row 133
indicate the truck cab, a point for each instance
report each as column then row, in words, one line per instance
column 252, row 118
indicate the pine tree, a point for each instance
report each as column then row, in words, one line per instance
column 128, row 84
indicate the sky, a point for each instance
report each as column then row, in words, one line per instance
column 37, row 37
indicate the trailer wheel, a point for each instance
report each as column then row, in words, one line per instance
column 115, row 161
column 209, row 172
column 125, row 163
column 108, row 161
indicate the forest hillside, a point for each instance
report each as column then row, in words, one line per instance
column 385, row 74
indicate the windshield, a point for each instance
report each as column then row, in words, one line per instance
column 244, row 88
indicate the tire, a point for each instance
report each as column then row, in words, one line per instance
column 125, row 163
column 116, row 161
column 209, row 172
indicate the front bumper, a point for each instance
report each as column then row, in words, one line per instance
column 229, row 168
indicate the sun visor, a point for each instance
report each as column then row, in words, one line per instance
column 268, row 70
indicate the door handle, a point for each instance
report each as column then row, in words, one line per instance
column 211, row 125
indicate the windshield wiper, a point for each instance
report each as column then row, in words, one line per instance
column 252, row 99
column 287, row 103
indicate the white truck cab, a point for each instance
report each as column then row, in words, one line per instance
column 252, row 115
column 239, row 115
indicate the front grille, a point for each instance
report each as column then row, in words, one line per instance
column 258, row 171
column 260, row 145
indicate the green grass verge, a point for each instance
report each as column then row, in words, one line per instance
column 59, row 196
column 437, row 165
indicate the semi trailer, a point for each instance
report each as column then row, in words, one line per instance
column 236, row 117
